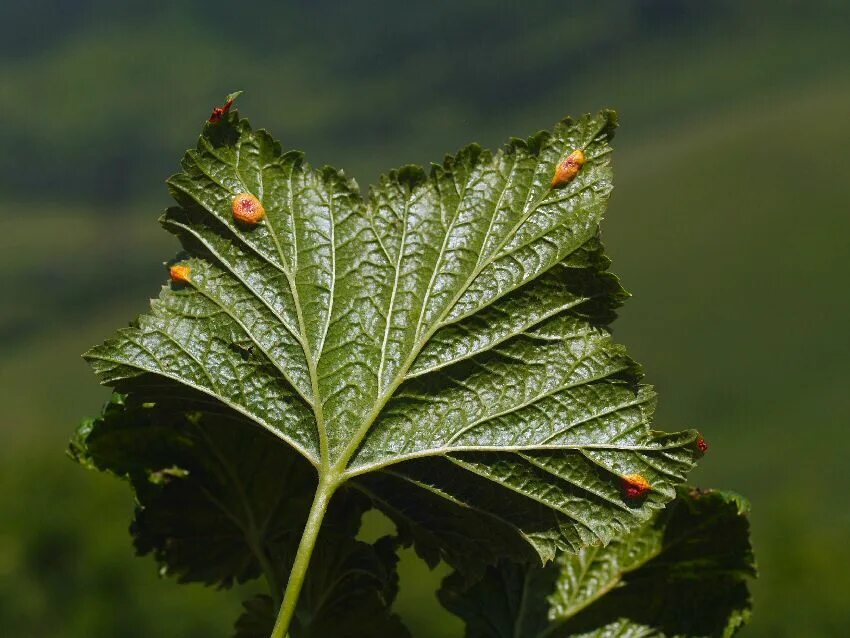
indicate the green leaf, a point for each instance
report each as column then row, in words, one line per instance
column 216, row 496
column 257, row 619
column 349, row 590
column 348, row 593
column 684, row 574
column 442, row 340
column 219, row 501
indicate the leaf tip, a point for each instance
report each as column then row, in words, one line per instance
column 612, row 120
column 411, row 175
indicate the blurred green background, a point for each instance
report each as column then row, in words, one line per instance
column 729, row 223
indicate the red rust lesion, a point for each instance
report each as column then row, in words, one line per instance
column 635, row 486
column 220, row 111
column 569, row 168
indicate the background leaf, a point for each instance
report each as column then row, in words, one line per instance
column 348, row 593
column 684, row 574
column 222, row 502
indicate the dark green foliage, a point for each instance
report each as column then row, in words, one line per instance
column 220, row 501
column 348, row 593
column 684, row 574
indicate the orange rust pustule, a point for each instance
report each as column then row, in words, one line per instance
column 247, row 209
column 219, row 112
column 568, row 169
column 180, row 273
column 702, row 444
column 635, row 486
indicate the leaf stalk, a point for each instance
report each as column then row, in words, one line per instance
column 326, row 488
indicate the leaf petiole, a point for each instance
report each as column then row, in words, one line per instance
column 326, row 488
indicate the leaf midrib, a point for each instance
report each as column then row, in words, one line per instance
column 302, row 326
column 399, row 257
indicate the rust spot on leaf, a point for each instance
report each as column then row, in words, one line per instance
column 180, row 273
column 247, row 209
column 220, row 111
column 635, row 486
column 568, row 169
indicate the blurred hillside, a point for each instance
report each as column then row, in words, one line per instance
column 729, row 224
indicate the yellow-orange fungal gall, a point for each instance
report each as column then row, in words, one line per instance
column 247, row 209
column 180, row 273
column 569, row 168
column 635, row 486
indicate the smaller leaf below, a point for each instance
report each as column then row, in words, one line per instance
column 684, row 574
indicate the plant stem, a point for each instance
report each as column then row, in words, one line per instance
column 324, row 492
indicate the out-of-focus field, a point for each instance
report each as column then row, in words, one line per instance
column 729, row 223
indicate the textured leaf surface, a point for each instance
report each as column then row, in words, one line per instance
column 684, row 574
column 441, row 340
column 222, row 502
